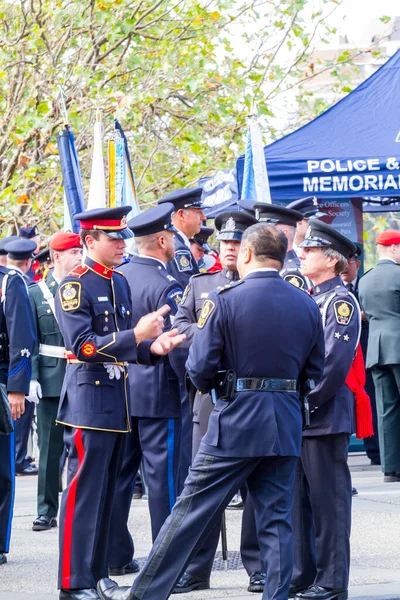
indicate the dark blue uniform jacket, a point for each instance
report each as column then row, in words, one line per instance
column 16, row 320
column 332, row 399
column 94, row 312
column 260, row 327
column 183, row 265
column 154, row 389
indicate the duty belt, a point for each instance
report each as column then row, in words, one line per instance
column 265, row 384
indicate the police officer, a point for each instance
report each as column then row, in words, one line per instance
column 322, row 508
column 155, row 407
column 94, row 312
column 19, row 259
column 351, row 280
column 309, row 208
column 48, row 370
column 286, row 220
column 187, row 218
column 3, row 253
column 17, row 338
column 254, row 431
column 230, row 226
column 199, row 246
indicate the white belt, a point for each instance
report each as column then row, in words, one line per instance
column 53, row 351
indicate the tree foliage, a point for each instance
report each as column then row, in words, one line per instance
column 181, row 75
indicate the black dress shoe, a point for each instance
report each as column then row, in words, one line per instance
column 354, row 491
column 391, row 477
column 296, row 589
column 189, row 583
column 3, row 558
column 256, row 582
column 109, row 590
column 29, row 470
column 317, row 592
column 85, row 594
column 132, row 567
column 43, row 522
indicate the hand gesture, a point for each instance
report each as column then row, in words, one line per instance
column 166, row 342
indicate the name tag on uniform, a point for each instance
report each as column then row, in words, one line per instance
column 204, row 295
column 102, row 298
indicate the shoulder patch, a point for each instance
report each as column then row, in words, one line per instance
column 70, row 295
column 229, row 286
column 343, row 311
column 79, row 271
column 295, row 280
column 186, row 293
column 208, row 308
column 183, row 260
column 175, row 298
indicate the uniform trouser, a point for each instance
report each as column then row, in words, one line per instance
column 94, row 461
column 22, row 428
column 210, row 485
column 51, row 445
column 387, row 388
column 7, row 488
column 201, row 564
column 372, row 443
column 157, row 441
column 322, row 513
column 186, row 437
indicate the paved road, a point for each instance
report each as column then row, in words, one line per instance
column 31, row 573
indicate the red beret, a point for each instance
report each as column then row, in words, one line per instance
column 65, row 240
column 388, row 237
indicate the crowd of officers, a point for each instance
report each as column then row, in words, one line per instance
column 213, row 380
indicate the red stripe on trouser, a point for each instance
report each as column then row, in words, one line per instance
column 69, row 514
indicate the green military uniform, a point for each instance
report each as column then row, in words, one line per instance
column 379, row 293
column 49, row 371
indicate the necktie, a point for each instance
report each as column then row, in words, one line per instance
column 350, row 287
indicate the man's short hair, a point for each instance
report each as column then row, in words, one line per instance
column 341, row 260
column 95, row 233
column 267, row 242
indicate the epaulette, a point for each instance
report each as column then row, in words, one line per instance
column 79, row 271
column 340, row 290
column 119, row 273
column 229, row 286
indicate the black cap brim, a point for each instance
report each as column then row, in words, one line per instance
column 122, row 234
column 230, row 236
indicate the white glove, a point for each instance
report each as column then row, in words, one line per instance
column 113, row 370
column 35, row 392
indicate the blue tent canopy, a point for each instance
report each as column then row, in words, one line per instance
column 351, row 150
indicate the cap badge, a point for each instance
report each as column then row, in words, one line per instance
column 123, row 222
column 315, row 201
column 230, row 225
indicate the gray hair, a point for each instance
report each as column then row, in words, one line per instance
column 341, row 260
